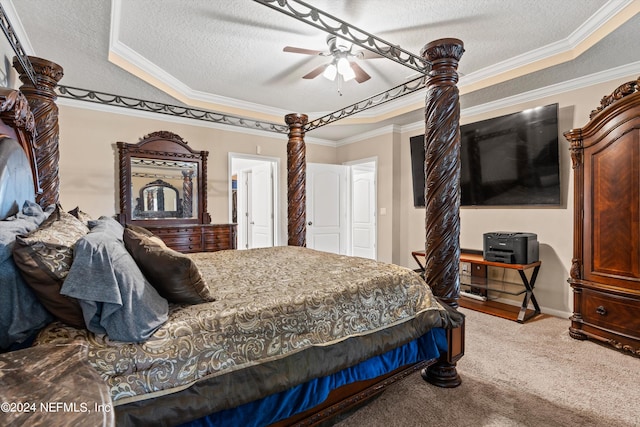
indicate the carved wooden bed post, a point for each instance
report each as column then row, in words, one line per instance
column 296, row 180
column 42, row 103
column 442, row 193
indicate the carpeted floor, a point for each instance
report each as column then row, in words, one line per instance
column 513, row 374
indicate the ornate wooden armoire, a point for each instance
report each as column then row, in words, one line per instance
column 605, row 271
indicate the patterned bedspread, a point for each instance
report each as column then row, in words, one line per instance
column 271, row 303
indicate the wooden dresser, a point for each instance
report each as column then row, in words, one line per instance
column 197, row 237
column 605, row 271
column 163, row 188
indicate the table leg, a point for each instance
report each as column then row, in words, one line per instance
column 529, row 294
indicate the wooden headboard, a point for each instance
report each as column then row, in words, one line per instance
column 18, row 166
column 17, row 122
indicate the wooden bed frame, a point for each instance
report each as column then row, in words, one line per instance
column 442, row 193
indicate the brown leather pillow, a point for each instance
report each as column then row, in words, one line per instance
column 44, row 258
column 174, row 275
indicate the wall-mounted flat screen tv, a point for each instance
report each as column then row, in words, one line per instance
column 510, row 160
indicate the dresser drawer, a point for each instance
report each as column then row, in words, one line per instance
column 618, row 313
column 186, row 239
column 183, row 243
column 219, row 237
column 197, row 238
column 181, row 239
column 170, row 232
column 186, row 248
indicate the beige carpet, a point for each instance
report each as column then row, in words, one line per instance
column 513, row 374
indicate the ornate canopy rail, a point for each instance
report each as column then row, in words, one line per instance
column 167, row 109
column 7, row 29
column 365, row 104
column 311, row 16
column 317, row 18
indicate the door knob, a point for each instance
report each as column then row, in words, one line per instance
column 310, row 223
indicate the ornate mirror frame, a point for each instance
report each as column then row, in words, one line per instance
column 163, row 147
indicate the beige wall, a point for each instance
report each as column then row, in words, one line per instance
column 554, row 226
column 88, row 158
column 88, row 179
column 385, row 148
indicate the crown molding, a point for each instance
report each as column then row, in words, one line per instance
column 385, row 130
column 127, row 58
column 623, row 71
column 609, row 17
column 555, row 89
column 16, row 23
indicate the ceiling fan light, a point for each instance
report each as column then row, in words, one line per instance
column 343, row 66
column 330, row 72
column 349, row 74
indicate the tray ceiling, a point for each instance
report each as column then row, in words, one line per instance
column 227, row 56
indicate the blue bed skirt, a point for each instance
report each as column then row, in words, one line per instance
column 298, row 399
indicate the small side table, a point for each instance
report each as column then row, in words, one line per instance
column 479, row 284
column 52, row 385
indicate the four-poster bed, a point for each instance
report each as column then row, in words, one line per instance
column 405, row 329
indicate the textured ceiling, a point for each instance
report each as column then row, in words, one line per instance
column 227, row 55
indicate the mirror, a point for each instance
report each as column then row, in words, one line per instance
column 163, row 189
column 162, row 180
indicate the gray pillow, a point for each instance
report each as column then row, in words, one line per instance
column 107, row 225
column 114, row 295
column 21, row 313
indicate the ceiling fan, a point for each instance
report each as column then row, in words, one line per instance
column 342, row 65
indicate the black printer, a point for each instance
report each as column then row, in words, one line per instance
column 510, row 247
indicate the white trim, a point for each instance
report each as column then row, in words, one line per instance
column 602, row 16
column 193, row 97
column 555, row 89
column 545, row 310
column 573, row 84
column 350, row 165
column 16, row 23
column 580, row 35
column 573, row 41
column 385, row 130
column 533, row 95
column 114, row 26
column 275, row 161
column 139, row 62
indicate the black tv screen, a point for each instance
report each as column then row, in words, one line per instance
column 510, row 160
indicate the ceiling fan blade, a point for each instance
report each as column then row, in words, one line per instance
column 361, row 75
column 302, row 51
column 315, row 72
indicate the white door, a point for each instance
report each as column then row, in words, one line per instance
column 363, row 210
column 254, row 200
column 261, row 207
column 327, row 207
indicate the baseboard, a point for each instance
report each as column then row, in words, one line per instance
column 546, row 310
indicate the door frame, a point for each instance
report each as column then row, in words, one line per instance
column 351, row 164
column 275, row 162
column 344, row 205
